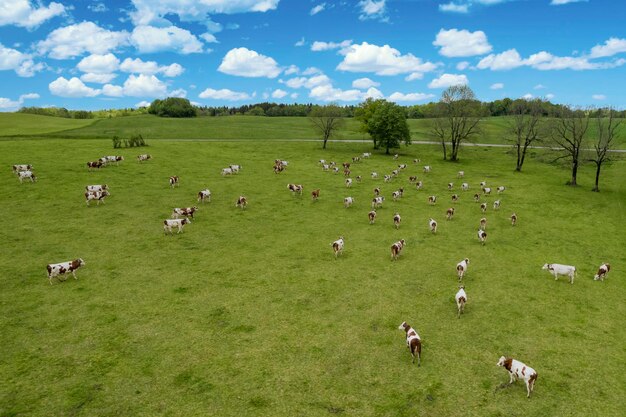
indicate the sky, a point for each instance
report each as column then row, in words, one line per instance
column 95, row 54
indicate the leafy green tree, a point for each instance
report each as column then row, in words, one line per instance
column 385, row 122
column 327, row 121
column 172, row 107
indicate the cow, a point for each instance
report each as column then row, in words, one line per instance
column 377, row 191
column 372, row 216
column 419, row 185
column 413, row 342
column 374, row 175
column 413, row 179
column 174, row 181
column 449, row 213
column 396, row 248
column 518, row 370
column 477, row 197
column 96, row 195
column 482, row 236
column 461, row 268
column 460, row 174
column 358, row 178
column 235, row 168
column 295, row 188
column 168, row 224
column 395, row 173
column 416, row 161
column 184, row 211
column 356, row 159
column 486, row 190
column 377, row 202
column 227, row 171
column 315, row 194
column 22, row 167
column 97, row 187
column 325, row 167
column 397, row 194
column 432, row 199
column 450, row 186
column 402, row 166
column 483, row 184
column 56, row 270
column 337, row 246
column 461, row 299
column 348, row 182
column 204, row 195
column 387, row 178
column 322, row 162
column 558, row 269
column 433, row 225
column 278, row 168
column 496, row 204
column 483, row 224
column 144, row 157
column 241, row 202
column 501, row 189
column 94, row 164
column 111, row 158
column 336, row 170
column 602, row 271
column 347, row 201
column 483, row 207
column 513, row 219
column 346, row 165
column 22, row 175
column 464, row 186
column 366, row 155
column 395, row 156
column 455, row 198
column 346, row 172
column 396, row 220
column 426, row 168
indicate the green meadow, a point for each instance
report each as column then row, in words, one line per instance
column 248, row 313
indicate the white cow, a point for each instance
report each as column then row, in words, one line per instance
column 96, row 196
column 465, row 186
column 54, row 270
column 348, row 182
column 22, row 167
column 22, row 175
column 227, row 171
column 518, row 370
column 204, row 195
column 98, row 187
column 461, row 268
column 347, row 202
column 433, row 225
column 558, row 269
column 426, row 168
column 377, row 202
column 461, row 299
column 168, row 224
column 337, row 246
column 374, row 175
column 501, row 189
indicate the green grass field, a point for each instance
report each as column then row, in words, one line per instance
column 248, row 313
column 19, row 124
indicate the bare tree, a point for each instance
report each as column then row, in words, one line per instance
column 569, row 132
column 458, row 115
column 327, row 120
column 607, row 126
column 525, row 127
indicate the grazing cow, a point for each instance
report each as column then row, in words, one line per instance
column 94, row 164
column 461, row 268
column 483, row 184
column 477, row 197
column 461, row 299
column 518, row 370
column 460, row 174
column 396, row 220
column 325, row 167
column 483, row 223
column 395, row 156
column 366, row 155
column 235, row 168
column 336, row 170
column 22, row 167
column 449, row 213
column 96, row 195
column 358, row 178
column 402, row 166
column 396, row 248
column 184, row 211
column 487, row 190
column 482, row 236
column 413, row 179
column 144, row 157
column 322, row 162
column 55, row 270
column 349, row 182
column 395, row 173
column 374, row 175
column 433, row 225
column 174, row 181
column 112, row 158
column 465, row 186
column 356, row 159
column 483, row 207
column 282, row 162
column 99, row 187
column 387, row 178
column 241, row 202
column 346, row 172
column 419, row 185
column 397, row 194
column 337, row 246
column 513, row 219
column 204, row 195
column 295, row 188
column 432, row 199
column 278, row 168
column 372, row 216
column 501, row 189
column 22, row 175
column 426, row 168
column 332, row 163
column 450, row 186
column 455, row 198
column 415, row 161
column 413, row 342
column 377, row 202
column 496, row 204
column 602, row 271
column 347, row 202
column 558, row 269
column 346, row 165
column 179, row 223
column 315, row 194
column 227, row 171
column 377, row 191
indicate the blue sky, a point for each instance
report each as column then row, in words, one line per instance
column 94, row 54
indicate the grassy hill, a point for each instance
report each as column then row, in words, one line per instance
column 20, row 124
column 248, row 313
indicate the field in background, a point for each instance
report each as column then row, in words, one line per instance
column 248, row 313
column 19, row 124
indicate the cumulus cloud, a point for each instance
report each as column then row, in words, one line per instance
column 497, row 86
column 99, row 64
column 372, row 9
column 98, row 78
column 244, row 62
column 462, row 66
column 397, row 96
column 454, row 8
column 381, row 60
column 327, row 92
column 414, row 76
column 447, row 80
column 148, row 39
column 138, row 66
column 611, row 47
column 278, row 93
column 113, row 90
column 180, row 93
column 314, row 81
column 292, row 69
column 562, row 2
column 22, row 64
column 325, row 46
column 364, row 83
column 224, row 94
column 7, row 104
column 209, row 37
column 21, row 13
column 73, row 88
column 143, row 103
column 315, row 10
column 460, row 43
column 528, row 96
column 144, row 86
column 98, row 7
column 75, row 40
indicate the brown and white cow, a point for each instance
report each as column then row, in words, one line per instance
column 204, row 195
column 174, row 181
column 338, row 246
column 396, row 248
column 461, row 299
column 315, row 194
column 97, row 187
column 513, row 219
column 168, row 224
column 419, row 185
column 372, row 216
column 432, row 199
column 241, row 202
column 97, row 196
column 482, row 236
column 483, row 224
column 295, row 188
column 455, row 198
column 94, row 164
column 449, row 213
column 413, row 341
column 22, row 175
column 347, row 201
column 602, row 271
column 56, row 270
column 433, row 225
column 144, row 157
column 396, row 220
column 22, row 167
column 346, row 165
column 483, row 207
column 184, row 212
column 461, row 268
column 518, row 370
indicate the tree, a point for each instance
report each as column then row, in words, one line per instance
column 387, row 125
column 525, row 127
column 327, row 120
column 607, row 126
column 365, row 112
column 456, row 120
column 172, row 107
column 568, row 132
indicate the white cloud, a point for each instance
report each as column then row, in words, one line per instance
column 142, row 104
column 317, row 9
column 22, row 64
column 497, row 86
column 98, row 7
column 75, row 40
column 373, row 93
column 7, row 104
column 456, row 43
column 172, row 70
column 180, row 92
column 98, row 78
column 292, row 69
column 300, row 42
column 244, row 62
column 611, row 47
column 138, row 66
column 73, row 88
column 311, row 71
column 325, row 46
column 462, row 66
column 294, row 95
column 144, row 86
column 414, row 76
column 372, row 9
column 382, row 60
column 209, row 37
column 21, row 13
column 410, row 96
column 314, row 81
column 28, row 96
column 447, row 80
column 539, row 87
column 542, row 61
column 561, row 2
column 453, row 8
column 327, row 92
column 598, row 97
column 148, row 39
column 223, row 94
column 549, row 96
column 113, row 90
column 364, row 83
column 503, row 61
column 278, row 93
column 99, row 64
column 528, row 96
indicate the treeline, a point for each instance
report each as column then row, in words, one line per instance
column 82, row 114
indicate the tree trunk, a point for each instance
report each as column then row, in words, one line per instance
column 324, row 146
column 455, row 150
column 574, row 172
column 443, row 144
column 597, row 187
column 518, row 167
column 387, row 150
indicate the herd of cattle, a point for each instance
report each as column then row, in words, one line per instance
column 183, row 215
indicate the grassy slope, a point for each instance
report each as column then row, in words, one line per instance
column 19, row 124
column 248, row 313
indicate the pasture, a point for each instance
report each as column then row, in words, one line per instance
column 247, row 312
